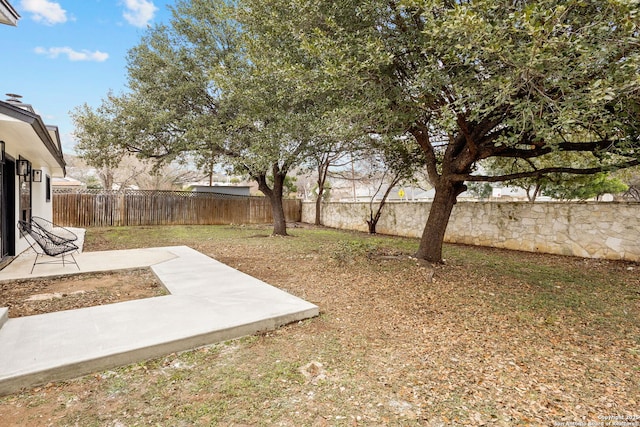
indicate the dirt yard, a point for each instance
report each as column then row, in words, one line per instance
column 491, row 338
column 45, row 295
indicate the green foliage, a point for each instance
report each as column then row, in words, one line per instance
column 289, row 185
column 480, row 190
column 93, row 183
column 326, row 191
column 631, row 178
column 175, row 106
column 347, row 251
column 583, row 188
column 560, row 186
column 100, row 139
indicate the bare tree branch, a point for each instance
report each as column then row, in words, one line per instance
column 544, row 171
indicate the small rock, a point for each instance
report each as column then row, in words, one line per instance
column 313, row 372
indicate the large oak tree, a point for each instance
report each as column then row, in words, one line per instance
column 471, row 80
column 198, row 87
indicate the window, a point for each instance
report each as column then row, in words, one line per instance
column 48, row 188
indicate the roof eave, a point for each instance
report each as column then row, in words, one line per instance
column 39, row 128
column 8, row 15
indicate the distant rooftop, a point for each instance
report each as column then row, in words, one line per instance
column 65, row 182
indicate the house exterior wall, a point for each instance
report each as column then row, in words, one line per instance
column 24, row 136
column 40, row 206
column 586, row 229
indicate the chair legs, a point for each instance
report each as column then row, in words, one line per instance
column 55, row 260
column 35, row 262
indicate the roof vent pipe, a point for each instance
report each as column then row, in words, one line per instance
column 14, row 97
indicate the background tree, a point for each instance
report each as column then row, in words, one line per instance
column 480, row 190
column 558, row 185
column 176, row 105
column 583, row 187
column 267, row 153
column 398, row 160
column 338, row 140
column 282, row 124
column 631, row 178
column 172, row 108
column 322, row 161
column 217, row 93
column 331, row 151
column 100, row 139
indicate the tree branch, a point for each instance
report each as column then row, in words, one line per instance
column 540, row 149
column 544, row 171
column 421, row 135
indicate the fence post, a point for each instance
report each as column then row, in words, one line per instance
column 123, row 208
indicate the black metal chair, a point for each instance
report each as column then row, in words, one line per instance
column 48, row 243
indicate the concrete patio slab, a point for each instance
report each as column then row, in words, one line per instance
column 88, row 262
column 209, row 302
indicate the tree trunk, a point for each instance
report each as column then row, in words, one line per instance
column 107, row 179
column 279, row 220
column 430, row 248
column 323, row 168
column 372, row 222
column 275, row 198
column 318, row 209
column 537, row 188
column 319, row 201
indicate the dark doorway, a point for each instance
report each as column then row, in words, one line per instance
column 8, row 208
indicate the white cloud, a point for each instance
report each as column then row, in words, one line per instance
column 73, row 55
column 139, row 12
column 48, row 12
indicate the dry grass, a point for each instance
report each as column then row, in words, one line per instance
column 492, row 338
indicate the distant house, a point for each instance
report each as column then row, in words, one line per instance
column 66, row 184
column 30, row 157
column 227, row 190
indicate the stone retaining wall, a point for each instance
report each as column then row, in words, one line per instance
column 587, row 229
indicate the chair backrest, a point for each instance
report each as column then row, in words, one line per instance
column 57, row 233
column 24, row 227
column 45, row 241
column 27, row 228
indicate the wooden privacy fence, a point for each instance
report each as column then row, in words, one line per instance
column 138, row 207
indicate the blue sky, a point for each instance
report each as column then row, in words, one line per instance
column 64, row 53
